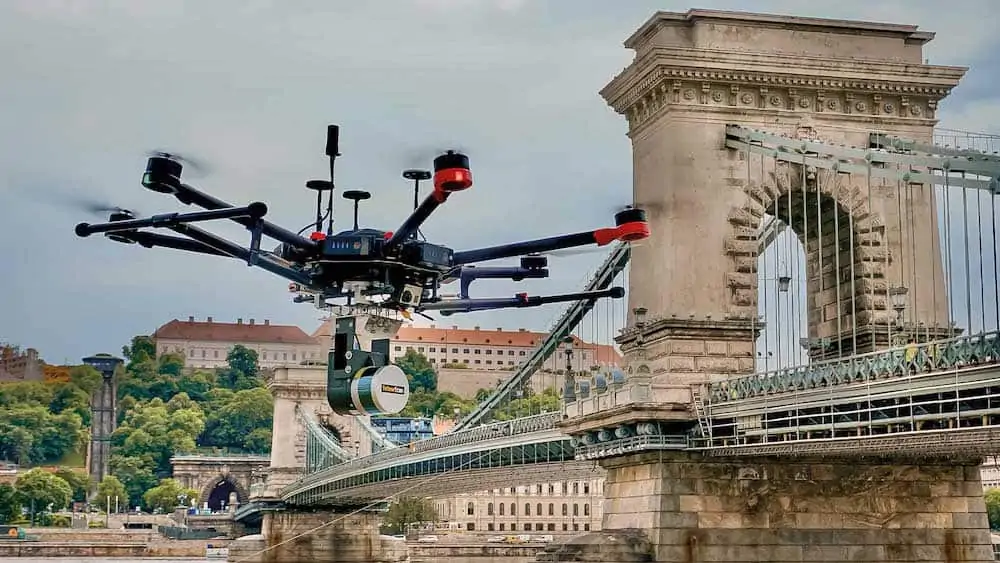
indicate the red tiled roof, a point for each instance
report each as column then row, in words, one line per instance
column 212, row 331
column 477, row 337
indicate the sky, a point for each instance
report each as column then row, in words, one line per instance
column 248, row 87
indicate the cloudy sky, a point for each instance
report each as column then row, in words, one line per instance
column 248, row 87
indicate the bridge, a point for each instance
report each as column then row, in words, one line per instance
column 811, row 343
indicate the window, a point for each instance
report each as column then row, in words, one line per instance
column 489, row 352
column 471, row 509
column 502, row 525
column 552, row 509
column 576, row 488
column 294, row 356
column 552, row 489
column 435, row 350
column 586, row 488
column 203, row 352
column 409, row 348
column 478, row 362
column 521, row 353
column 502, row 505
column 465, row 350
column 586, row 527
column 284, row 355
column 565, row 488
column 465, row 361
column 538, row 489
column 527, row 509
column 527, row 527
column 192, row 353
column 538, row 509
column 510, row 352
column 489, row 527
column 470, row 526
column 565, row 527
column 576, row 509
column 489, row 509
column 551, row 527
column 420, row 349
column 586, row 509
column 477, row 351
column 215, row 354
column 399, row 348
column 488, row 362
column 539, row 526
column 565, row 510
column 454, row 350
column 513, row 509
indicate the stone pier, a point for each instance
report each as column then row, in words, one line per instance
column 696, row 508
column 318, row 537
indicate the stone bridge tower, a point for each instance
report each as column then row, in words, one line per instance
column 802, row 79
column 829, row 80
column 304, row 387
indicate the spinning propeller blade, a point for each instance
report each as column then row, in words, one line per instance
column 191, row 165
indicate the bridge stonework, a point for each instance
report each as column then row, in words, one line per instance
column 836, row 81
column 204, row 472
column 303, row 387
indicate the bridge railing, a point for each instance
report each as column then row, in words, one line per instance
column 526, row 425
column 911, row 359
column 322, row 450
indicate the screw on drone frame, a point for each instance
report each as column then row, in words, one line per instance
column 357, row 196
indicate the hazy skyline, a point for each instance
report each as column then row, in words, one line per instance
column 248, row 87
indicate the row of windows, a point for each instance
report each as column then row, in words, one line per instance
column 576, row 486
column 471, row 509
column 263, row 356
column 477, row 362
column 491, row 527
column 464, row 351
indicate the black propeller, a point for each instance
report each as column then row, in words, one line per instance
column 195, row 166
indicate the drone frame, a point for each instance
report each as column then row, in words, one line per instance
column 452, row 174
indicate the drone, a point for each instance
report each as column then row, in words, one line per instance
column 379, row 275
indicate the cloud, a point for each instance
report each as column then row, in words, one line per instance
column 250, row 85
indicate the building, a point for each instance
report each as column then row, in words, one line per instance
column 471, row 359
column 402, row 429
column 205, row 344
column 18, row 365
column 989, row 473
column 547, row 508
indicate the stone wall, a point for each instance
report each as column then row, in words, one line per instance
column 324, row 537
column 696, row 508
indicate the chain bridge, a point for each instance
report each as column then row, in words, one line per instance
column 812, row 355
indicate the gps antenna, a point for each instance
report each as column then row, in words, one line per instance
column 332, row 151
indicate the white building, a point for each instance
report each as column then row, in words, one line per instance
column 205, row 344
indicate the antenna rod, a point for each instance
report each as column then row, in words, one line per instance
column 332, row 151
column 416, row 176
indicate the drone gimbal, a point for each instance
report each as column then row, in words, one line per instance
column 371, row 269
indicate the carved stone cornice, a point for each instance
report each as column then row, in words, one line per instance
column 298, row 391
column 752, row 82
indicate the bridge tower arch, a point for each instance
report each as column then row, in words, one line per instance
column 303, row 387
column 219, row 492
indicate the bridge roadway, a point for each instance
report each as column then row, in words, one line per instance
column 934, row 398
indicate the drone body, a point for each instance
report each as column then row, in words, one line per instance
column 380, row 274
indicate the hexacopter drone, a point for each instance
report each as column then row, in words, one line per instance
column 381, row 275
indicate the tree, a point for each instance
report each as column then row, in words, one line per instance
column 135, row 474
column 243, row 371
column 42, row 490
column 483, row 394
column 10, row 506
column 419, row 371
column 408, row 510
column 109, row 489
column 167, row 494
column 79, row 482
column 992, row 498
column 31, row 434
column 241, row 420
column 141, row 349
column 156, row 431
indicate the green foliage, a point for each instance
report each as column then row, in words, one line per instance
column 154, row 431
column 31, row 434
column 135, row 473
column 166, row 496
column 79, row 481
column 141, row 349
column 408, row 510
column 242, row 419
column 243, row 371
column 43, row 490
column 10, row 507
column 992, row 498
column 483, row 394
column 429, row 404
column 109, row 489
column 529, row 404
column 419, row 371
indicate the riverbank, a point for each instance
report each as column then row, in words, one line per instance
column 55, row 542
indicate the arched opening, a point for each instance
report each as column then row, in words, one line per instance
column 820, row 270
column 333, row 431
column 223, row 494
